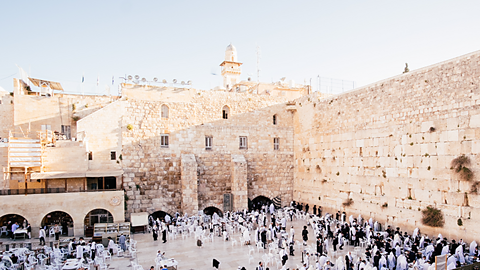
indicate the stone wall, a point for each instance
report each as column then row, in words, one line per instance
column 389, row 146
column 156, row 170
column 101, row 132
column 6, row 113
column 35, row 207
column 32, row 111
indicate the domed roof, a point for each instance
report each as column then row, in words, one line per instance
column 231, row 48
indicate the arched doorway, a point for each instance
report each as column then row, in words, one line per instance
column 258, row 201
column 212, row 209
column 158, row 214
column 96, row 216
column 13, row 218
column 58, row 217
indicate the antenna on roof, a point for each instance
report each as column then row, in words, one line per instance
column 258, row 63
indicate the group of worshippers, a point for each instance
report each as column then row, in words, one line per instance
column 81, row 249
column 13, row 226
column 385, row 250
column 158, row 226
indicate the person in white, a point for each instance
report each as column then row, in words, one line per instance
column 42, row 234
column 79, row 251
column 111, row 245
column 292, row 234
column 272, row 209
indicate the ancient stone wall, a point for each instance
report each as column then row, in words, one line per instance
column 153, row 178
column 389, row 146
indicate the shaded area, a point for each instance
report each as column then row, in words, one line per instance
column 58, row 217
column 212, row 209
column 259, row 201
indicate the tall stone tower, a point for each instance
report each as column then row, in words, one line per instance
column 230, row 67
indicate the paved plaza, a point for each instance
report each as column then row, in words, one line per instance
column 189, row 256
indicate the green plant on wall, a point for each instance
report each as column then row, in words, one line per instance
column 432, row 217
column 459, row 222
column 460, row 166
column 348, row 202
column 129, row 127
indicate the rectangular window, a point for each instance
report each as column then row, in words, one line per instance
column 243, row 142
column 66, row 132
column 276, row 143
column 90, row 155
column 208, row 142
column 164, row 140
column 46, row 127
column 113, row 155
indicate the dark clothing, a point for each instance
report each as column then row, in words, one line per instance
column 305, row 234
column 164, row 236
column 216, row 263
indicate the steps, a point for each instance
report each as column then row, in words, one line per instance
column 24, row 152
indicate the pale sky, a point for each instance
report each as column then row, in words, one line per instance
column 361, row 41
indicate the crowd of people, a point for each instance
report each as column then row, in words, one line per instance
column 374, row 247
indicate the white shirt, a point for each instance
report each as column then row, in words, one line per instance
column 41, row 233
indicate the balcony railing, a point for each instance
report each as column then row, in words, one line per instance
column 48, row 190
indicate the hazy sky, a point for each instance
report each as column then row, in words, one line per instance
column 361, row 41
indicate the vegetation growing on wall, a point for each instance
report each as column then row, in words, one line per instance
column 460, row 166
column 348, row 202
column 432, row 217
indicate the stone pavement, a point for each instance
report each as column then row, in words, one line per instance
column 189, row 256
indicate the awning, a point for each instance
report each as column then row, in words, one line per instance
column 104, row 173
column 57, row 175
column 52, row 85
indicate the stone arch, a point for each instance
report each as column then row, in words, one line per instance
column 57, row 217
column 164, row 111
column 96, row 215
column 209, row 210
column 260, row 200
column 225, row 112
column 160, row 214
column 5, row 218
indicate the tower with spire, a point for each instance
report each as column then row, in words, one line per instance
column 230, row 68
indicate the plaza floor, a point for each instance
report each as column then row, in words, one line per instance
column 189, row 256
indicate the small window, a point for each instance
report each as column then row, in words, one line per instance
column 208, row 142
column 164, row 140
column 275, row 119
column 113, row 155
column 90, row 155
column 66, row 132
column 225, row 112
column 46, row 127
column 164, row 111
column 276, row 143
column 243, row 142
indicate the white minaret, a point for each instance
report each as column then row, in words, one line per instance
column 230, row 67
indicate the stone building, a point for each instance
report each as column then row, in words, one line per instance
column 383, row 151
column 154, row 148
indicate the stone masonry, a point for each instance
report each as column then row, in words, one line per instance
column 189, row 184
column 239, row 182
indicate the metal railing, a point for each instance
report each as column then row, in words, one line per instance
column 7, row 192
